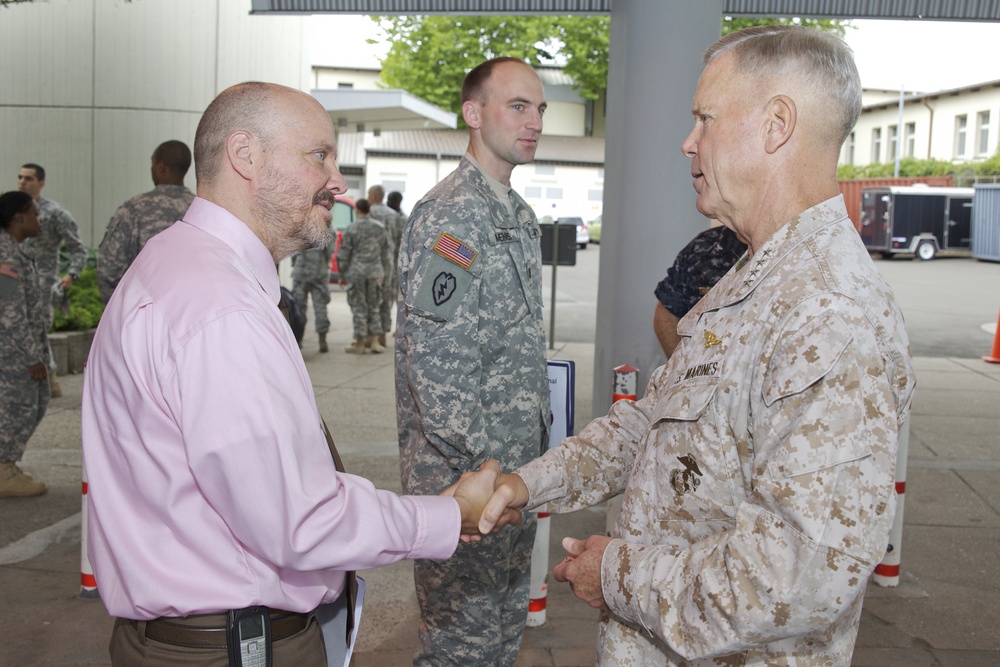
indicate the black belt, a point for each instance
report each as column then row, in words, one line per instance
column 209, row 630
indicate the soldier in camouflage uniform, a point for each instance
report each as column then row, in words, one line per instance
column 58, row 229
column 387, row 217
column 144, row 216
column 758, row 470
column 695, row 270
column 311, row 277
column 363, row 259
column 471, row 382
column 24, row 392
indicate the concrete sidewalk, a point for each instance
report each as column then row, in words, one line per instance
column 945, row 611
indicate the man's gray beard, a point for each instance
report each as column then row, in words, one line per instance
column 276, row 218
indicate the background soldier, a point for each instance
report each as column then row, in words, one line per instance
column 311, row 277
column 24, row 392
column 363, row 259
column 387, row 217
column 471, row 382
column 144, row 216
column 58, row 229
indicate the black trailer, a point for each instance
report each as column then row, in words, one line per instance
column 916, row 219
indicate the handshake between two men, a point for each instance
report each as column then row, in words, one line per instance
column 490, row 500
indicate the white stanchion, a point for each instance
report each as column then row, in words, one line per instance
column 538, row 597
column 88, row 585
column 887, row 572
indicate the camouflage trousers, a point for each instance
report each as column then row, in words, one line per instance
column 389, row 300
column 473, row 606
column 23, row 402
column 319, row 289
column 364, row 296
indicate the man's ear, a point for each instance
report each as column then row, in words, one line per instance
column 470, row 114
column 781, row 118
column 241, row 149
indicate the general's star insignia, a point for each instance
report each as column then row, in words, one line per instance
column 711, row 339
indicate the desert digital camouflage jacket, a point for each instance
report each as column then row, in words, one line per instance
column 471, row 381
column 758, row 470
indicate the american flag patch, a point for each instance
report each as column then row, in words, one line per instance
column 12, row 272
column 451, row 248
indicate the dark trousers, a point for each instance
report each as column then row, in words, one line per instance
column 130, row 648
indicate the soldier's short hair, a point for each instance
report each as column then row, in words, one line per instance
column 39, row 170
column 376, row 192
column 475, row 79
column 12, row 203
column 175, row 155
column 363, row 206
column 394, row 199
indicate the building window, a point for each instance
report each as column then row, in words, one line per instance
column 545, row 170
column 893, row 147
column 982, row 133
column 341, row 84
column 553, row 193
column 595, row 195
column 532, row 192
column 910, row 137
column 960, row 126
column 394, row 186
column 877, row 145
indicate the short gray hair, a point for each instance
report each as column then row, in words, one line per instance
column 246, row 106
column 820, row 60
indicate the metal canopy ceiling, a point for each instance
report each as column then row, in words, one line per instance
column 932, row 10
column 376, row 110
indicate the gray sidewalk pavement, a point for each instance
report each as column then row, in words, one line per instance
column 945, row 612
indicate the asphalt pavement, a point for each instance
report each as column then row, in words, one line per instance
column 945, row 610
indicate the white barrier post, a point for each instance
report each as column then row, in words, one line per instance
column 538, row 597
column 887, row 572
column 88, row 585
column 624, row 386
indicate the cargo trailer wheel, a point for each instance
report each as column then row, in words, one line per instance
column 926, row 250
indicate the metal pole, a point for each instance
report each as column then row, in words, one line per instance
column 555, row 263
column 899, row 132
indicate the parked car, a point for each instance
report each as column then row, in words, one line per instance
column 595, row 230
column 582, row 234
column 343, row 216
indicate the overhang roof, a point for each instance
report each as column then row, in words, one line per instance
column 377, row 110
column 931, row 10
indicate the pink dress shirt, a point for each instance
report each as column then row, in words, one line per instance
column 211, row 485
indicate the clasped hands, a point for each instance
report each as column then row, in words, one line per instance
column 490, row 500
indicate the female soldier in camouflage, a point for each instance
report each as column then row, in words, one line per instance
column 24, row 387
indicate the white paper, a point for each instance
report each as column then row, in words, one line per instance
column 332, row 618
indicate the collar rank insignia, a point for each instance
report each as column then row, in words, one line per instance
column 454, row 250
column 711, row 339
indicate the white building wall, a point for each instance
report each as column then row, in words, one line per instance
column 331, row 78
column 935, row 124
column 90, row 87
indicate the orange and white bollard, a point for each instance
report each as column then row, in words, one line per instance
column 624, row 389
column 887, row 572
column 994, row 356
column 538, row 597
column 88, row 585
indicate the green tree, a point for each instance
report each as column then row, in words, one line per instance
column 430, row 55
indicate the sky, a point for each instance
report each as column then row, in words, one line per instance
column 922, row 56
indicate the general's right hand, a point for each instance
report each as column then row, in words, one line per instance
column 510, row 495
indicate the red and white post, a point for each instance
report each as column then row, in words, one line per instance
column 994, row 356
column 88, row 585
column 538, row 597
column 887, row 572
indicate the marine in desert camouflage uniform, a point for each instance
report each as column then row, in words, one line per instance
column 24, row 393
column 363, row 259
column 471, row 381
column 758, row 469
column 144, row 216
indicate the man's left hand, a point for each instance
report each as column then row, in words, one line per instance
column 582, row 568
column 66, row 281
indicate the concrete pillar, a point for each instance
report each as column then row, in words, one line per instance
column 649, row 212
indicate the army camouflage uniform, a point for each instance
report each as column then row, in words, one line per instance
column 390, row 219
column 311, row 276
column 471, row 385
column 758, row 470
column 136, row 221
column 363, row 259
column 58, row 229
column 697, row 268
column 23, row 343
